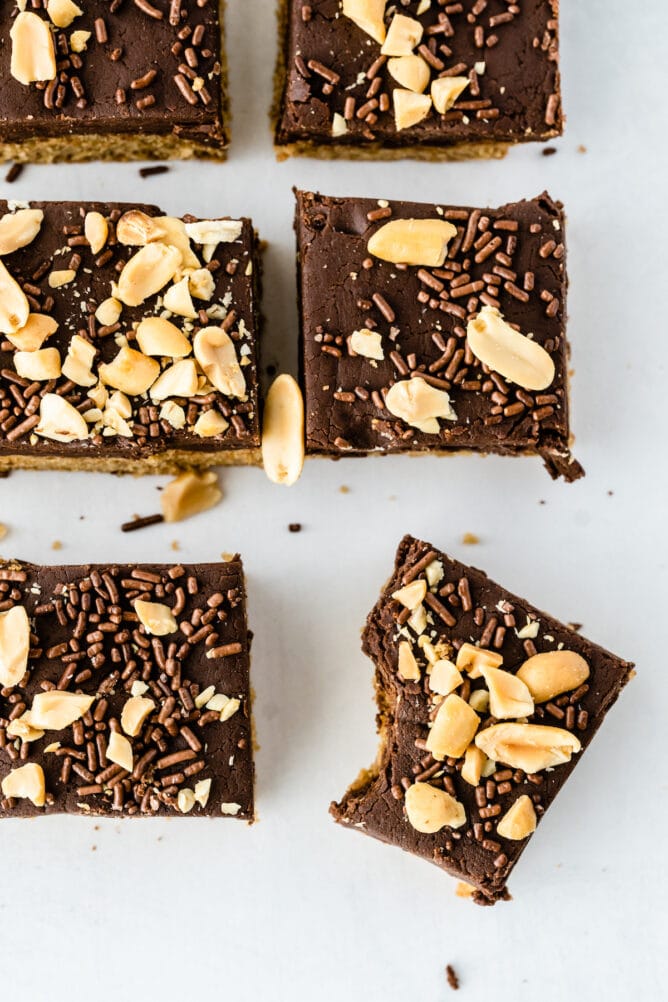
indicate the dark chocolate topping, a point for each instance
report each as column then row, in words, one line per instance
column 511, row 258
column 86, row 638
column 61, row 245
column 508, row 52
column 146, row 68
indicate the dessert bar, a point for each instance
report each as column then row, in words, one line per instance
column 433, row 328
column 485, row 706
column 429, row 79
column 128, row 338
column 125, row 690
column 112, row 80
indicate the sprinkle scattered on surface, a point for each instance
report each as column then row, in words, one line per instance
column 141, row 523
column 152, row 171
column 14, row 173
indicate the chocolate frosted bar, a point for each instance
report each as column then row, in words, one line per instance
column 112, row 80
column 366, row 79
column 128, row 338
column 125, row 689
column 485, row 705
column 429, row 328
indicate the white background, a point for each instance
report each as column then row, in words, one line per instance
column 296, row 908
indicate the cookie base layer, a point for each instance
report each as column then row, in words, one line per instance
column 85, row 148
column 428, row 154
column 175, row 461
column 557, row 464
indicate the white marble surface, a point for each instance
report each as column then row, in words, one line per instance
column 295, row 908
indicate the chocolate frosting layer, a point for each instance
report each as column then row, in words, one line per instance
column 510, row 56
column 512, row 258
column 87, row 638
column 147, row 68
column 61, row 245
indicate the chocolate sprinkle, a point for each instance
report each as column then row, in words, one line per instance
column 142, row 523
column 14, row 172
column 153, row 171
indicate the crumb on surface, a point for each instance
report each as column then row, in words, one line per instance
column 4, row 529
column 549, row 151
column 470, row 539
column 175, row 545
column 295, row 527
column 344, row 489
column 56, row 545
column 582, row 148
column 452, row 978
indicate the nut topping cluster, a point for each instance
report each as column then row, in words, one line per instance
column 411, row 69
column 161, row 348
column 482, row 713
column 500, row 347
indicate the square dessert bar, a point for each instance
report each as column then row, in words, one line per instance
column 119, row 80
column 485, row 706
column 128, row 338
column 428, row 79
column 125, row 690
column 428, row 328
